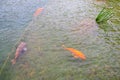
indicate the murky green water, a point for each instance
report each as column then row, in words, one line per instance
column 15, row 15
column 71, row 23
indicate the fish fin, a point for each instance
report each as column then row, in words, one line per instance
column 64, row 46
column 13, row 61
column 75, row 56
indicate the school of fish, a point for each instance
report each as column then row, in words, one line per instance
column 22, row 46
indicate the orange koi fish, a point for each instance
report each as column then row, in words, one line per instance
column 76, row 53
column 38, row 11
column 20, row 49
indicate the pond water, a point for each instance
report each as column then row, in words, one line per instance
column 70, row 23
column 15, row 15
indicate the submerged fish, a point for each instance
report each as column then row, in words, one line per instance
column 76, row 53
column 38, row 11
column 20, row 49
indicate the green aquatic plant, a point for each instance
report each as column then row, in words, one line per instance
column 104, row 15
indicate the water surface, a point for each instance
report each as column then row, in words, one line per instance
column 71, row 23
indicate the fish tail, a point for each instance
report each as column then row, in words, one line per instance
column 13, row 61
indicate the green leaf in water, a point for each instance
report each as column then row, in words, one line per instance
column 104, row 15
